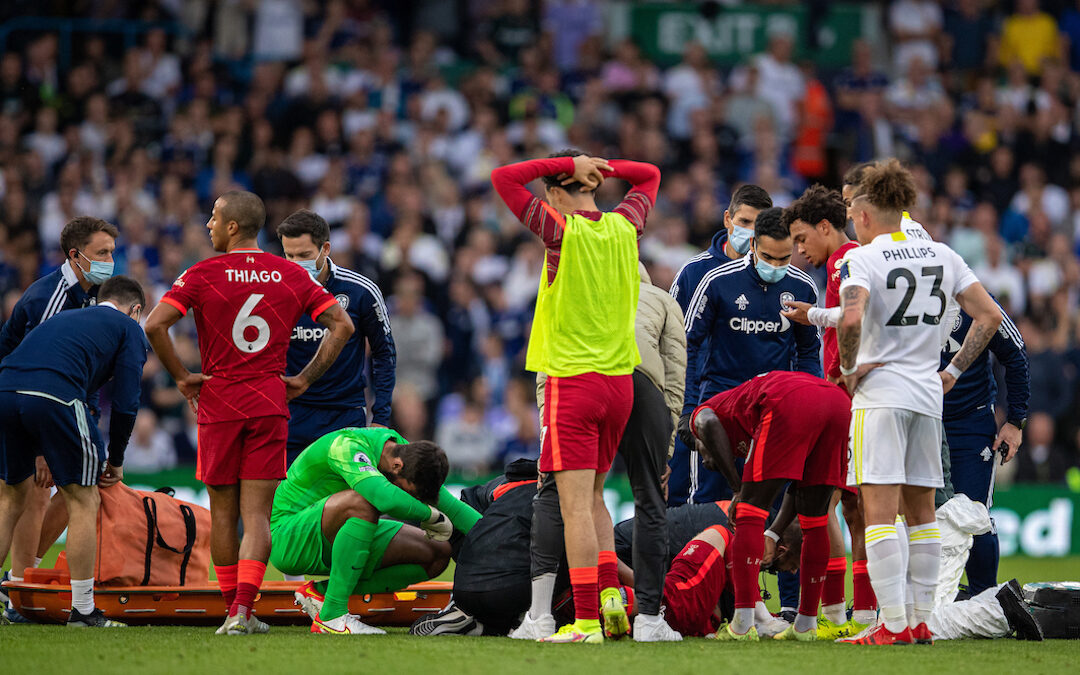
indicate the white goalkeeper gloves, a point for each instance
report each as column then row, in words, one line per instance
column 438, row 526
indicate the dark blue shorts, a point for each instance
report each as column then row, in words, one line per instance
column 64, row 433
column 307, row 424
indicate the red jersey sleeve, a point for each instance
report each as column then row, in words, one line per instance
column 538, row 216
column 645, row 181
column 318, row 300
column 184, row 293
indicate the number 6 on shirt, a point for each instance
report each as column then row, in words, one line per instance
column 244, row 320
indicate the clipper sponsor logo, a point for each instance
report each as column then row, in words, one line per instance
column 308, row 334
column 741, row 324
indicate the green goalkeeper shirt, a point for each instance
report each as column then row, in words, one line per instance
column 349, row 459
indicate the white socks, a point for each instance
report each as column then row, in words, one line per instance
column 82, row 595
column 743, row 620
column 293, row 577
column 836, row 613
column 884, row 564
column 804, row 624
column 37, row 562
column 925, row 563
column 761, row 613
column 543, row 588
column 902, row 537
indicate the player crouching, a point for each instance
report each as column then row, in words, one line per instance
column 790, row 426
column 326, row 521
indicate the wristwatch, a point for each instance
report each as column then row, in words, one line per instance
column 1019, row 424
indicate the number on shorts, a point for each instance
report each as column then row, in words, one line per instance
column 899, row 317
column 246, row 319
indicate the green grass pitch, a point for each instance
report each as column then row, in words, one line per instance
column 190, row 651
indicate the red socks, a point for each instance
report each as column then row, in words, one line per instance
column 747, row 547
column 833, row 591
column 226, row 578
column 863, row 594
column 586, row 597
column 813, row 563
column 249, row 577
column 608, row 570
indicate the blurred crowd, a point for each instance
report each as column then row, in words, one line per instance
column 387, row 118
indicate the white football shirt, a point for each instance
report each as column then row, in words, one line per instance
column 911, row 282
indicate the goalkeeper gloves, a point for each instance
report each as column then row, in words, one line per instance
column 437, row 526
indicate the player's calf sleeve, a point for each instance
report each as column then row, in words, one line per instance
column 226, row 578
column 747, row 547
column 832, row 593
column 925, row 563
column 393, row 578
column 249, row 577
column 813, row 566
column 885, row 567
column 607, row 570
column 862, row 593
column 348, row 557
column 586, row 597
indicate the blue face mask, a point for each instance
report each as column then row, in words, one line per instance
column 99, row 272
column 768, row 273
column 309, row 265
column 740, row 238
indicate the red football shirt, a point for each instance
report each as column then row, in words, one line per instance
column 831, row 359
column 740, row 409
column 246, row 305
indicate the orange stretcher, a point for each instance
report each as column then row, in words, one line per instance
column 44, row 596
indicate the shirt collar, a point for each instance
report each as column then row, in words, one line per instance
column 333, row 269
column 890, row 237
column 69, row 275
column 108, row 304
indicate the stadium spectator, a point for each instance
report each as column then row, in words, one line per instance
column 1029, row 37
column 150, row 449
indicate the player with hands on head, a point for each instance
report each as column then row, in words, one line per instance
column 246, row 304
column 44, row 385
column 583, row 339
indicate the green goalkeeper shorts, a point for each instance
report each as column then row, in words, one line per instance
column 299, row 547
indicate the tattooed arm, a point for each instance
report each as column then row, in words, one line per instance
column 849, row 331
column 985, row 320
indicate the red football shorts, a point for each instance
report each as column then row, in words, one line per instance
column 584, row 418
column 250, row 449
column 693, row 586
column 803, row 438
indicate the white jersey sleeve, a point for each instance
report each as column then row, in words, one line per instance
column 854, row 272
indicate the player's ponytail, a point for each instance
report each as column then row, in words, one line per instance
column 888, row 186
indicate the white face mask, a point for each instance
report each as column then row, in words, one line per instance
column 310, row 266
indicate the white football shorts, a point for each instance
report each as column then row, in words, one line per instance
column 892, row 446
